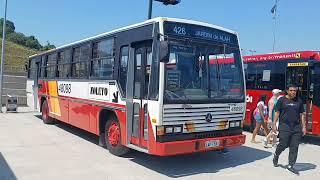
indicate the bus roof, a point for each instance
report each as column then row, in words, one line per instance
column 150, row 21
column 283, row 56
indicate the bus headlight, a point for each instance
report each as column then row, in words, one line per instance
column 169, row 129
column 178, row 129
column 232, row 124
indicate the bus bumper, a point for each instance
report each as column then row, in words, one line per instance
column 198, row 145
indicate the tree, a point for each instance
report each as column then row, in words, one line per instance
column 10, row 28
column 48, row 46
column 33, row 43
column 18, row 38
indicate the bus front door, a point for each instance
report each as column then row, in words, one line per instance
column 298, row 74
column 314, row 99
column 137, row 93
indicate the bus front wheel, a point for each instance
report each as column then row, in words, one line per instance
column 45, row 114
column 113, row 138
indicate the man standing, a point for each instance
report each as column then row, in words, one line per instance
column 290, row 112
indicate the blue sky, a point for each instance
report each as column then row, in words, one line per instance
column 65, row 21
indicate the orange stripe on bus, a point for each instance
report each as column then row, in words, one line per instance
column 54, row 101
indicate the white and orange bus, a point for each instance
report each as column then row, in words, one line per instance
column 148, row 87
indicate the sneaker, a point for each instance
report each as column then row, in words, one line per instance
column 224, row 151
column 275, row 160
column 292, row 169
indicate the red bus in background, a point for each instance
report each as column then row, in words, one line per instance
column 269, row 71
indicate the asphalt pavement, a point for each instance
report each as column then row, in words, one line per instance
column 32, row 150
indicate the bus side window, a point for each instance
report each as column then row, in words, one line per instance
column 148, row 70
column 51, row 66
column 123, row 68
column 315, row 79
column 251, row 76
column 102, row 62
column 80, row 60
column 63, row 64
column 44, row 60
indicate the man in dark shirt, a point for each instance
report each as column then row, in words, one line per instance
column 290, row 112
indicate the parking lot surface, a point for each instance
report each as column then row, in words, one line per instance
column 32, row 150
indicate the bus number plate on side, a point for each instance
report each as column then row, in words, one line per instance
column 212, row 143
column 236, row 108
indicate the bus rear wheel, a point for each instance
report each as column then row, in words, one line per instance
column 113, row 138
column 45, row 114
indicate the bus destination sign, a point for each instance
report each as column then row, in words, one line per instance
column 200, row 32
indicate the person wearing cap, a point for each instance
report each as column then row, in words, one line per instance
column 271, row 104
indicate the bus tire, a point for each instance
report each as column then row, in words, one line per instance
column 45, row 114
column 113, row 137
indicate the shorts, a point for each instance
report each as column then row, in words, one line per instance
column 258, row 118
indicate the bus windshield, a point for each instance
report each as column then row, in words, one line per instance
column 203, row 72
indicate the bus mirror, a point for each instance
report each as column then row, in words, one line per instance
column 164, row 52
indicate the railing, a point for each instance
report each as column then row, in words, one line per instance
column 8, row 68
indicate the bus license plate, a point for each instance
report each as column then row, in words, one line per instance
column 211, row 144
column 236, row 108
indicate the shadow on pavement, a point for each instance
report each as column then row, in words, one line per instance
column 301, row 166
column 38, row 116
column 5, row 170
column 182, row 165
column 305, row 166
column 199, row 163
column 76, row 131
column 94, row 139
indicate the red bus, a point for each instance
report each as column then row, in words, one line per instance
column 270, row 71
column 148, row 87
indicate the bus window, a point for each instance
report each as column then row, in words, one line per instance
column 63, row 64
column 44, row 60
column 103, row 59
column 265, row 75
column 32, row 68
column 148, row 70
column 123, row 68
column 80, row 60
column 315, row 79
column 137, row 73
column 51, row 66
column 227, row 72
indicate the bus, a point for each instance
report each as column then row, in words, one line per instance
column 274, row 71
column 148, row 87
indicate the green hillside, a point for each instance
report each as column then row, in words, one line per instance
column 16, row 56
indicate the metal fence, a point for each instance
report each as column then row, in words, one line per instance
column 14, row 84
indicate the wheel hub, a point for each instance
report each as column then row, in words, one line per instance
column 114, row 134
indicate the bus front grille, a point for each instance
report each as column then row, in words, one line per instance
column 193, row 118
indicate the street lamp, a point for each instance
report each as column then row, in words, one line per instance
column 252, row 51
column 165, row 2
column 248, row 50
column 3, row 52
